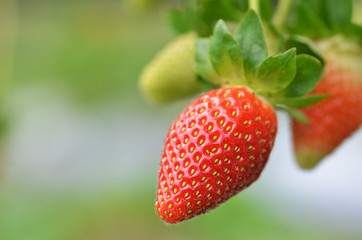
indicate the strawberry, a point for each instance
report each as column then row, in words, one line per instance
column 220, row 143
column 338, row 41
column 334, row 119
column 171, row 75
column 216, row 147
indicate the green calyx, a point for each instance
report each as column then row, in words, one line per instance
column 242, row 59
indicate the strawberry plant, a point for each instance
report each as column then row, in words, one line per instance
column 221, row 142
column 338, row 40
column 302, row 57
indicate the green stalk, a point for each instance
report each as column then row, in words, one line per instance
column 254, row 5
column 281, row 13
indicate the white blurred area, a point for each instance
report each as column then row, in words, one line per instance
column 327, row 197
column 53, row 145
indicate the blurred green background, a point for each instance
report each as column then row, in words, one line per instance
column 80, row 146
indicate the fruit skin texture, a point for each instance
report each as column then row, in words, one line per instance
column 334, row 119
column 215, row 148
column 171, row 75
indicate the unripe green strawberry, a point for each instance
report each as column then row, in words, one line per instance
column 216, row 147
column 171, row 75
column 334, row 119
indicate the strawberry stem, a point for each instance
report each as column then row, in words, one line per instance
column 254, row 5
column 281, row 13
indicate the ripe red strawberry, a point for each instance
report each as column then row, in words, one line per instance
column 216, row 147
column 332, row 120
column 338, row 41
column 221, row 142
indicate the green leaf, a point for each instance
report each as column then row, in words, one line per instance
column 338, row 13
column 297, row 115
column 309, row 23
column 177, row 22
column 303, row 46
column 205, row 13
column 298, row 102
column 213, row 10
column 314, row 5
column 202, row 57
column 276, row 72
column 243, row 5
column 308, row 73
column 201, row 15
column 250, row 37
column 184, row 20
column 266, row 10
column 225, row 54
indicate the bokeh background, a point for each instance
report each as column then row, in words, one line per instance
column 80, row 146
